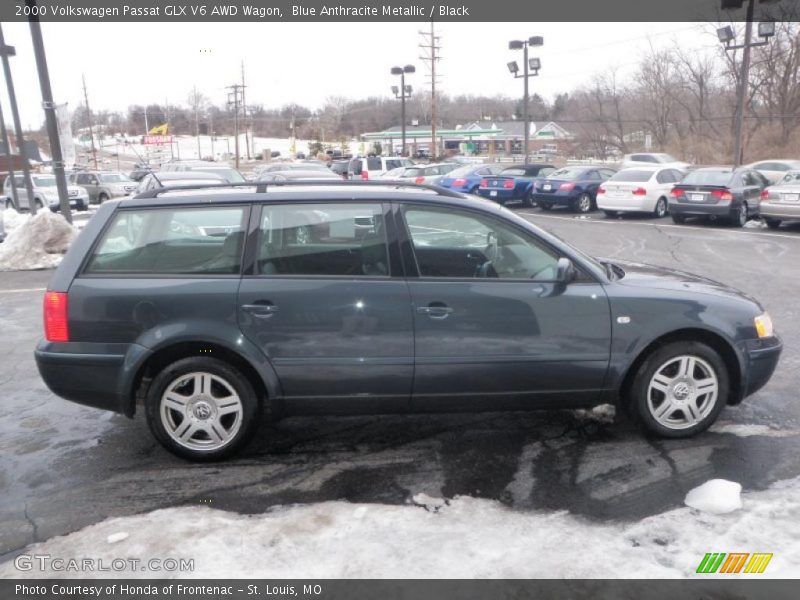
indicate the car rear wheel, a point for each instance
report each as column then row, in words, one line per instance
column 584, row 204
column 102, row 198
column 740, row 218
column 529, row 201
column 678, row 219
column 660, row 210
column 545, row 206
column 773, row 223
column 201, row 408
column 680, row 389
column 610, row 213
column 9, row 204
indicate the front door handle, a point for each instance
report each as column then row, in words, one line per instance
column 435, row 310
column 261, row 311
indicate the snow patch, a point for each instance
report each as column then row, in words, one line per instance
column 117, row 537
column 38, row 243
column 429, row 502
column 745, row 430
column 605, row 413
column 12, row 219
column 717, row 496
column 464, row 538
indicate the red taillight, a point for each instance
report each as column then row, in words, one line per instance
column 601, row 190
column 566, row 187
column 639, row 191
column 508, row 184
column 56, row 327
column 676, row 192
column 765, row 194
column 459, row 183
column 484, row 183
column 364, row 175
column 420, row 179
column 722, row 195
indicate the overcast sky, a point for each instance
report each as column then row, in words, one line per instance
column 140, row 63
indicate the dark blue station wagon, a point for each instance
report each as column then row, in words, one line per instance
column 334, row 298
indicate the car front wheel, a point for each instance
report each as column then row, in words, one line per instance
column 201, row 408
column 773, row 223
column 678, row 219
column 680, row 389
column 584, row 204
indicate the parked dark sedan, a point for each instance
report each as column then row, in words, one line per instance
column 467, row 178
column 575, row 187
column 514, row 184
column 733, row 195
column 397, row 298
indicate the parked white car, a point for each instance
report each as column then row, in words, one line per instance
column 370, row 167
column 638, row 189
column 774, row 170
column 781, row 202
column 45, row 193
column 660, row 159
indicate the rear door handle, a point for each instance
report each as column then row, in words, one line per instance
column 435, row 310
column 261, row 311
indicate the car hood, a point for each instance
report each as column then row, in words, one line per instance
column 655, row 277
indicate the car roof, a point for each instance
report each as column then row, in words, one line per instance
column 648, row 167
column 194, row 175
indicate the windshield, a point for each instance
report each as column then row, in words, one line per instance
column 666, row 158
column 40, row 181
column 567, row 174
column 413, row 172
column 513, row 172
column 716, row 177
column 114, row 178
column 632, row 176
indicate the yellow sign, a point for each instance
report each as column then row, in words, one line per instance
column 162, row 129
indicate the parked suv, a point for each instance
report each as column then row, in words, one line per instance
column 340, row 298
column 372, row 166
column 102, row 186
column 45, row 193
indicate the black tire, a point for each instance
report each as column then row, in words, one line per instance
column 678, row 219
column 641, row 405
column 660, row 210
column 583, row 204
column 170, row 376
column 611, row 214
column 9, row 204
column 529, row 201
column 102, row 198
column 38, row 204
column 740, row 218
column 772, row 223
column 545, row 206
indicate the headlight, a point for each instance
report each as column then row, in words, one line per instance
column 763, row 325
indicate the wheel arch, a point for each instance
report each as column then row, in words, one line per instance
column 716, row 341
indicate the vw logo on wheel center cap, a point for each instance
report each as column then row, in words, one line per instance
column 681, row 391
column 202, row 410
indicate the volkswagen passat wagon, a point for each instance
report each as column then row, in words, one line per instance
column 331, row 298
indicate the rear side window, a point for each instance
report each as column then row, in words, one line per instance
column 172, row 241
column 374, row 164
column 323, row 240
column 634, row 176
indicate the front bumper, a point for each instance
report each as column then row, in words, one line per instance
column 780, row 210
column 761, row 358
column 79, row 203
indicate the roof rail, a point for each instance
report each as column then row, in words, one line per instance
column 261, row 186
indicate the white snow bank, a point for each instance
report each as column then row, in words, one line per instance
column 717, row 496
column 748, row 430
column 13, row 219
column 604, row 413
column 463, row 538
column 37, row 243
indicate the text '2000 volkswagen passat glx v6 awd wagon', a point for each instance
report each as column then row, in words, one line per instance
column 316, row 297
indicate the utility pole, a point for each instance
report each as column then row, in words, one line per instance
column 430, row 47
column 5, row 52
column 89, row 117
column 402, row 93
column 235, row 100
column 50, row 114
column 247, row 135
column 4, row 134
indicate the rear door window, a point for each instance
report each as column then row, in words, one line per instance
column 374, row 164
column 172, row 241
column 340, row 240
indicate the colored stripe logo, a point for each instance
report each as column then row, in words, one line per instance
column 734, row 562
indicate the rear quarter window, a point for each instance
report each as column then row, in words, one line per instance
column 171, row 241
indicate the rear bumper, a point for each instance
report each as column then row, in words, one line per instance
column 100, row 380
column 713, row 210
column 761, row 359
column 632, row 204
column 500, row 195
column 780, row 210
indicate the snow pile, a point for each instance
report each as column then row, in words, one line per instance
column 461, row 538
column 13, row 219
column 37, row 243
column 604, row 413
column 717, row 497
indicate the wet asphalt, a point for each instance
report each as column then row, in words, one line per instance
column 63, row 466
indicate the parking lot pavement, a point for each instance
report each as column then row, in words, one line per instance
column 65, row 466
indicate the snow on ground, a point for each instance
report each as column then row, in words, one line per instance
column 717, row 496
column 461, row 538
column 35, row 242
column 748, row 430
column 12, row 219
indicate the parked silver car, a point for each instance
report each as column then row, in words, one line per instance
column 45, row 193
column 781, row 202
column 102, row 186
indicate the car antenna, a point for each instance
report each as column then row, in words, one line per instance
column 142, row 161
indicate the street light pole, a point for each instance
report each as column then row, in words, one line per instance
column 403, row 93
column 532, row 64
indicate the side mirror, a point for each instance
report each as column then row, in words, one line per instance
column 565, row 270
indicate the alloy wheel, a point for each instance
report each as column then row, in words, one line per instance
column 682, row 392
